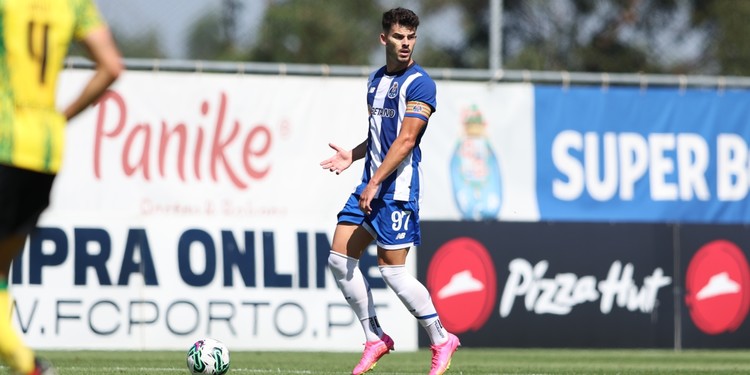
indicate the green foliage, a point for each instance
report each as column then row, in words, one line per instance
column 145, row 45
column 474, row 24
column 206, row 41
column 732, row 50
column 650, row 36
column 318, row 32
column 605, row 36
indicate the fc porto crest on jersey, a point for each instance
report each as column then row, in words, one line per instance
column 393, row 91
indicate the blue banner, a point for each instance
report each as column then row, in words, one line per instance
column 626, row 154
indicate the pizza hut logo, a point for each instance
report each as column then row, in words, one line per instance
column 718, row 287
column 462, row 280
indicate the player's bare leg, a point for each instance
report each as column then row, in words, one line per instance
column 350, row 240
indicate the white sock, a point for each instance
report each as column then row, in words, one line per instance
column 436, row 331
column 356, row 291
column 417, row 299
column 372, row 329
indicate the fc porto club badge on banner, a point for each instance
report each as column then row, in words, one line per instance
column 475, row 173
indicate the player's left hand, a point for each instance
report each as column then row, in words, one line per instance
column 366, row 197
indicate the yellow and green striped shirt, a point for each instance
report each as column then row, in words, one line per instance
column 34, row 39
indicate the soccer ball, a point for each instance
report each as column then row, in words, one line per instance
column 208, row 356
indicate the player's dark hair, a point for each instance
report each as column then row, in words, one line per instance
column 401, row 16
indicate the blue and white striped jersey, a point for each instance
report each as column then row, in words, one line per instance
column 387, row 98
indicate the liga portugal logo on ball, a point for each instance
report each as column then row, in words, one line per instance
column 462, row 281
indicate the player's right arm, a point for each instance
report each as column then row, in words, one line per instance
column 103, row 51
column 343, row 158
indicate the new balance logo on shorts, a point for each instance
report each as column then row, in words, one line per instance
column 401, row 236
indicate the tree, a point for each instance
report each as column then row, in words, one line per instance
column 208, row 41
column 727, row 22
column 144, row 46
column 318, row 32
column 650, row 36
column 474, row 23
column 656, row 36
column 591, row 35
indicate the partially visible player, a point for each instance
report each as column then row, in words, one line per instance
column 34, row 39
column 401, row 96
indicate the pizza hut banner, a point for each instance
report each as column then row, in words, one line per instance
column 551, row 284
column 507, row 284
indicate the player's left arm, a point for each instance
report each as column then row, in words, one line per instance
column 108, row 66
column 94, row 34
column 415, row 120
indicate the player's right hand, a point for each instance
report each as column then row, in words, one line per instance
column 339, row 162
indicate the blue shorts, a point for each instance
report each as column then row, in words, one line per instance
column 394, row 224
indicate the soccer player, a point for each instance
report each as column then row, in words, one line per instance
column 385, row 205
column 34, row 40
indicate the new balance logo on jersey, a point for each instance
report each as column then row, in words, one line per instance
column 401, row 236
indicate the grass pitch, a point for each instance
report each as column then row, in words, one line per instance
column 467, row 361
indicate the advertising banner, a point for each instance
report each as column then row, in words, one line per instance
column 193, row 205
column 626, row 154
column 717, row 286
column 506, row 284
column 478, row 154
